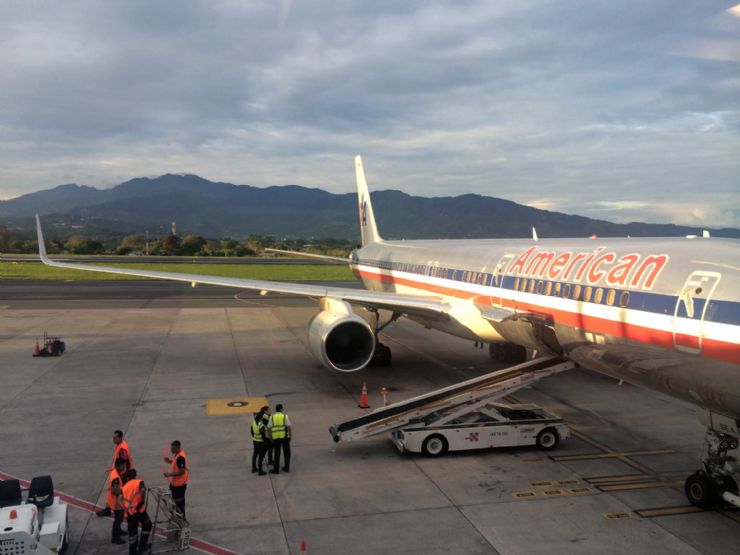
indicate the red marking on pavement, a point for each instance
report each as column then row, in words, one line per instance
column 200, row 545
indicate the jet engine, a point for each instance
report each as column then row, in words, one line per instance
column 339, row 338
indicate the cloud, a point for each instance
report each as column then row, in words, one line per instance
column 571, row 104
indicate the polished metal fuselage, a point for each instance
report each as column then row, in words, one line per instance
column 661, row 313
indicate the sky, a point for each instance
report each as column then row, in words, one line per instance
column 625, row 111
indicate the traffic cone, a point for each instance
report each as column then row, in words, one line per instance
column 36, row 350
column 303, row 546
column 363, row 398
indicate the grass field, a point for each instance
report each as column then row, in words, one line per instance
column 272, row 272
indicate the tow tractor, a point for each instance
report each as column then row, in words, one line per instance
column 466, row 415
column 39, row 525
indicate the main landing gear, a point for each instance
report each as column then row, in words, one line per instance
column 382, row 354
column 714, row 483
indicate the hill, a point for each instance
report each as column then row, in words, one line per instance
column 215, row 209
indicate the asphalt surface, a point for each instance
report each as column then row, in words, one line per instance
column 150, row 358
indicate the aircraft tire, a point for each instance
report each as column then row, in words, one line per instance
column 700, row 490
column 435, row 446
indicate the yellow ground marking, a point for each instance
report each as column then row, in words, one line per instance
column 623, row 478
column 524, row 494
column 533, row 459
column 616, row 516
column 540, row 484
column 635, row 485
column 235, row 405
column 553, row 492
column 567, row 482
column 579, row 490
column 668, row 511
column 611, row 455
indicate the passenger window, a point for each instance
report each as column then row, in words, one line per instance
column 599, row 295
column 610, row 296
column 576, row 292
column 516, row 284
column 566, row 290
column 532, row 283
column 539, row 288
column 587, row 294
column 558, row 286
column 523, row 285
column 548, row 288
column 624, row 299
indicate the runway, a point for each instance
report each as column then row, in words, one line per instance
column 147, row 357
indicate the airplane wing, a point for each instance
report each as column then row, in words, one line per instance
column 427, row 306
column 322, row 257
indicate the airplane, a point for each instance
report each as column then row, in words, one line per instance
column 658, row 313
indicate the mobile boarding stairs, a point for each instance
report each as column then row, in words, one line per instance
column 464, row 407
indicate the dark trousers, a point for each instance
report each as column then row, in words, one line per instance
column 281, row 444
column 117, row 521
column 178, row 496
column 258, row 454
column 138, row 544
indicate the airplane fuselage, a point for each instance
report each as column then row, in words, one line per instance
column 661, row 313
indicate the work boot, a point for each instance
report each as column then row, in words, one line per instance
column 103, row 512
column 286, row 469
column 262, row 473
column 254, row 470
column 274, row 472
column 118, row 540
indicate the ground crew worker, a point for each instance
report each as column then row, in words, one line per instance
column 259, row 442
column 179, row 474
column 280, row 432
column 268, row 442
column 122, row 450
column 113, row 500
column 133, row 500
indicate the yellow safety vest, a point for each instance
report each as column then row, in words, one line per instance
column 278, row 425
column 257, row 431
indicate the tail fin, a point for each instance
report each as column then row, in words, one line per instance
column 368, row 228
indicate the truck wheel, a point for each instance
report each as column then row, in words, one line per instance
column 435, row 446
column 548, row 439
column 700, row 490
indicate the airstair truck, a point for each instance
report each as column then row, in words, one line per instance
column 466, row 415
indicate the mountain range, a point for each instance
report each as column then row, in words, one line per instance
column 215, row 209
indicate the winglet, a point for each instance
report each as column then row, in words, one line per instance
column 705, row 233
column 368, row 228
column 42, row 246
column 534, row 235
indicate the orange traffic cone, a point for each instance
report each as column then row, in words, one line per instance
column 303, row 546
column 363, row 398
column 36, row 350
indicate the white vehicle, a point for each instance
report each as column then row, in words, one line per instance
column 466, row 415
column 494, row 425
column 39, row 526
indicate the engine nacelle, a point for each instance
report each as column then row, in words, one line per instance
column 339, row 338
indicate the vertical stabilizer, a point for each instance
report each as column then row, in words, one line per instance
column 368, row 229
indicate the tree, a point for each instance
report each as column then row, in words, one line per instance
column 170, row 245
column 4, row 237
column 133, row 243
column 79, row 244
column 191, row 245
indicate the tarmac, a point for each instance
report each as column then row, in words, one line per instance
column 150, row 358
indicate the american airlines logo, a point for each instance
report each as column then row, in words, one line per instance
column 629, row 270
column 363, row 212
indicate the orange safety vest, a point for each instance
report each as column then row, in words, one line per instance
column 117, row 450
column 182, row 479
column 112, row 501
column 132, row 497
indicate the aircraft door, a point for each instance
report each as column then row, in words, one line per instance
column 691, row 310
column 498, row 276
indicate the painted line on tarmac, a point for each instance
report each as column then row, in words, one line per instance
column 200, row 545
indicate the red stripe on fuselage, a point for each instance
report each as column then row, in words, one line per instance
column 719, row 350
